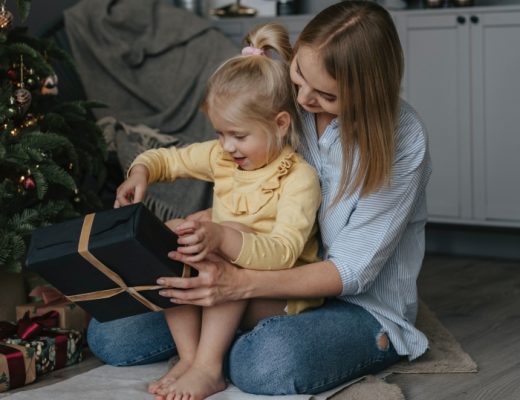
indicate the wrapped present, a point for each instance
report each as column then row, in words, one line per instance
column 52, row 348
column 17, row 366
column 108, row 262
column 70, row 315
column 33, row 347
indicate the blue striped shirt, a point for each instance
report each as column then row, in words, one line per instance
column 377, row 242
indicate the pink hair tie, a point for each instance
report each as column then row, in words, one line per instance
column 252, row 51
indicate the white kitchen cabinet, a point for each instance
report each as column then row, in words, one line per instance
column 462, row 75
column 496, row 116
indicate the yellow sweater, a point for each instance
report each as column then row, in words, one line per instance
column 278, row 202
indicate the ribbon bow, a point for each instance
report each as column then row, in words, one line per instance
column 29, row 327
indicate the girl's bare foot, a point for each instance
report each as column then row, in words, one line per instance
column 197, row 383
column 174, row 373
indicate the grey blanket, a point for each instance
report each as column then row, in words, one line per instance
column 149, row 62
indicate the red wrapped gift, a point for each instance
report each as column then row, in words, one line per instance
column 70, row 315
column 17, row 362
column 53, row 348
column 33, row 347
column 17, row 366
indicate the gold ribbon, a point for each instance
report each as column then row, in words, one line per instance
column 104, row 294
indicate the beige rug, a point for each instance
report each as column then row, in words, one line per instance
column 445, row 354
column 92, row 381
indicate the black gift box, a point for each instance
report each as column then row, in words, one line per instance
column 129, row 241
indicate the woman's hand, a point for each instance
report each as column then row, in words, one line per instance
column 132, row 190
column 218, row 282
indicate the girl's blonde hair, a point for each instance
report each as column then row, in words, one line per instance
column 255, row 88
column 360, row 49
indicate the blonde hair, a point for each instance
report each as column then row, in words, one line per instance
column 255, row 88
column 360, row 49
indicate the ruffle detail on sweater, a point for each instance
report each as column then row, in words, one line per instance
column 247, row 192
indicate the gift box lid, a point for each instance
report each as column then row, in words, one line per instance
column 130, row 241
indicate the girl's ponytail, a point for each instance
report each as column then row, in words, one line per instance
column 271, row 37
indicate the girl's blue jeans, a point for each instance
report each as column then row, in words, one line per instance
column 311, row 352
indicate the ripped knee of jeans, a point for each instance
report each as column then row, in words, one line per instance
column 382, row 341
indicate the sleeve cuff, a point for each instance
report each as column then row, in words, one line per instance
column 350, row 285
column 240, row 258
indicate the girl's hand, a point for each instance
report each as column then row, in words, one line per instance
column 132, row 190
column 197, row 239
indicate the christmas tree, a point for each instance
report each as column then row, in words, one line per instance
column 51, row 152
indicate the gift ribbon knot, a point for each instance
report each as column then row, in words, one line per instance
column 29, row 327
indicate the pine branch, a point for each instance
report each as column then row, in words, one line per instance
column 57, row 175
column 32, row 56
column 24, row 222
column 41, row 184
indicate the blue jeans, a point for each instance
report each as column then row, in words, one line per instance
column 311, row 352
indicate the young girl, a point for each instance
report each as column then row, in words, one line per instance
column 264, row 205
column 370, row 151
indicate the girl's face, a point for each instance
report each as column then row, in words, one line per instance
column 248, row 144
column 317, row 90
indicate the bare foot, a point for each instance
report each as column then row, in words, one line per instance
column 174, row 373
column 197, row 383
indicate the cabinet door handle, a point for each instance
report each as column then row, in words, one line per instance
column 474, row 19
column 461, row 19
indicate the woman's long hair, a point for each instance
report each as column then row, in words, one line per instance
column 360, row 49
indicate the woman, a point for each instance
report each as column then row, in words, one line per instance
column 370, row 151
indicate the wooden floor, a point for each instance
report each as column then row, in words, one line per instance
column 478, row 300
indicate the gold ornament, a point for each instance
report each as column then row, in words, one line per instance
column 6, row 19
column 22, row 98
